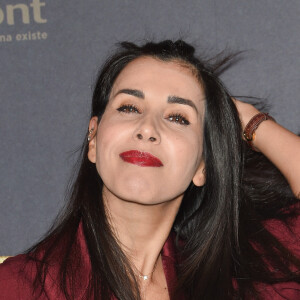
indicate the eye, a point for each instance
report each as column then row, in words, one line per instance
column 128, row 108
column 179, row 119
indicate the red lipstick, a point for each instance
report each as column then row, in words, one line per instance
column 142, row 159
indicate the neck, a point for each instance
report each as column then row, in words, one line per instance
column 141, row 229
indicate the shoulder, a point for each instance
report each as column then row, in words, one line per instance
column 18, row 280
column 16, row 277
column 279, row 291
column 18, row 274
column 287, row 232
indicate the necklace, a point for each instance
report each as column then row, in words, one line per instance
column 146, row 277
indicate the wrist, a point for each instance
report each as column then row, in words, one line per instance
column 249, row 132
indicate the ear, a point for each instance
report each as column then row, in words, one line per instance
column 92, row 140
column 199, row 177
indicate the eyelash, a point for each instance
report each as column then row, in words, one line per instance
column 176, row 118
column 128, row 108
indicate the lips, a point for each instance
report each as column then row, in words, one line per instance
column 142, row 159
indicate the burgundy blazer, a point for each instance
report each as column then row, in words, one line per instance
column 16, row 277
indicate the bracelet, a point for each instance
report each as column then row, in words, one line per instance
column 249, row 131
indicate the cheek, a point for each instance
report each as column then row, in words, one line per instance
column 186, row 155
column 104, row 137
column 108, row 135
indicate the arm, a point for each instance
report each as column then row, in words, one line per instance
column 279, row 145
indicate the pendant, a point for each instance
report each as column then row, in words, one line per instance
column 145, row 277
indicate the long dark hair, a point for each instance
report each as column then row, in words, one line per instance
column 221, row 224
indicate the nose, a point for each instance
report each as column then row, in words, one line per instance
column 146, row 131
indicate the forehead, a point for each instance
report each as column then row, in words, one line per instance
column 148, row 73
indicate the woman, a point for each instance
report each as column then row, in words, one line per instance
column 169, row 201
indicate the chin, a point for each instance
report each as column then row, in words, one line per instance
column 146, row 196
column 145, row 202
column 137, row 184
column 140, row 196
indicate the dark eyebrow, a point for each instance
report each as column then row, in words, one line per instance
column 175, row 99
column 171, row 99
column 131, row 92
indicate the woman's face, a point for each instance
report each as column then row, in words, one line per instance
column 148, row 144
